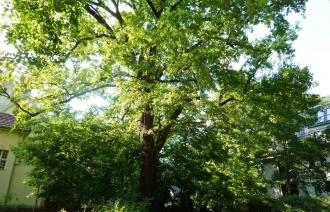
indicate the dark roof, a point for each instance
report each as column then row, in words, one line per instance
column 6, row 120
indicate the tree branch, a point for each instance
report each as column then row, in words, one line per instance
column 248, row 81
column 163, row 81
column 226, row 101
column 132, row 5
column 175, row 5
column 78, row 94
column 154, row 10
column 5, row 94
column 152, row 6
column 92, row 11
column 86, row 39
column 196, row 45
column 116, row 14
column 177, row 80
column 165, row 131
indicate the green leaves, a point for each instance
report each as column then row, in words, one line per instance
column 211, row 95
column 78, row 162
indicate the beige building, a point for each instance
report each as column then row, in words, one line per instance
column 13, row 190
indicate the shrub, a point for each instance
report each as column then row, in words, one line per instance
column 122, row 206
column 302, row 203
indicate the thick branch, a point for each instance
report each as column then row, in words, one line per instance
column 165, row 131
column 152, row 6
column 118, row 15
column 92, row 11
column 154, row 10
column 115, row 14
column 226, row 101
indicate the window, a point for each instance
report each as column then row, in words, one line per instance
column 3, row 158
column 320, row 116
column 319, row 187
column 328, row 114
column 327, row 186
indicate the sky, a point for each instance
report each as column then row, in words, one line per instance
column 313, row 44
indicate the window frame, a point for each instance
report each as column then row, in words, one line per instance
column 3, row 158
column 320, row 118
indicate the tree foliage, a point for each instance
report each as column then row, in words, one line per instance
column 77, row 162
column 183, row 71
column 302, row 163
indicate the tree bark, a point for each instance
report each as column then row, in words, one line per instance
column 151, row 145
column 148, row 180
column 149, row 158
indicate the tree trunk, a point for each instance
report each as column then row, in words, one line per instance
column 149, row 158
column 148, row 180
column 150, row 149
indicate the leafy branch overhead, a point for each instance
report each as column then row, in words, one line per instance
column 132, row 38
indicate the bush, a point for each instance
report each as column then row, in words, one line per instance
column 302, row 203
column 122, row 206
column 7, row 209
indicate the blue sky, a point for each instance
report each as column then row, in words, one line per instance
column 313, row 44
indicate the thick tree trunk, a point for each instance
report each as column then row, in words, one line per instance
column 149, row 159
column 150, row 148
column 148, row 180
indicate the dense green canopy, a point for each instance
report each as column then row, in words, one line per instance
column 187, row 74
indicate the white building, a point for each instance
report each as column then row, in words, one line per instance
column 323, row 121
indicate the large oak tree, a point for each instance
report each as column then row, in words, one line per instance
column 175, row 64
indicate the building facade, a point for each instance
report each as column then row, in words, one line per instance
column 323, row 121
column 13, row 190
